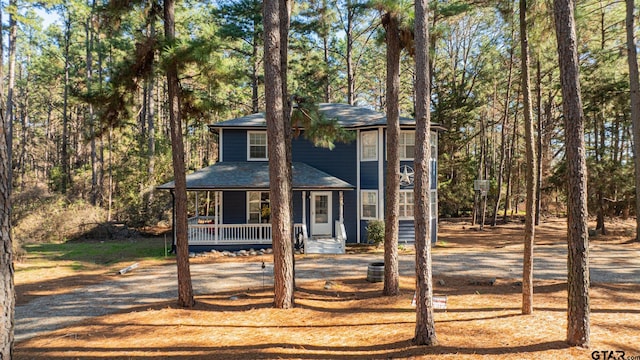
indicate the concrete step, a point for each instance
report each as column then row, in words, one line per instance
column 324, row 246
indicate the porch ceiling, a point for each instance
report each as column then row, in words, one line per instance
column 255, row 175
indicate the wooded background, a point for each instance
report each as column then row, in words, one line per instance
column 86, row 96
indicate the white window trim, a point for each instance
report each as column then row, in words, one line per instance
column 249, row 158
column 414, row 206
column 362, row 204
column 403, row 132
column 373, row 134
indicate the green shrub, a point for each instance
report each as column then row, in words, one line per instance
column 375, row 232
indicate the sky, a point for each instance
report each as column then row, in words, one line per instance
column 48, row 17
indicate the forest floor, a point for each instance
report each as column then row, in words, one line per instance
column 347, row 318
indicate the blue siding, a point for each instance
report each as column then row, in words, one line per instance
column 297, row 207
column 234, row 145
column 351, row 215
column 369, row 175
column 406, row 232
column 339, row 162
column 363, row 231
column 234, row 207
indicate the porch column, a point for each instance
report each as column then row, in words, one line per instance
column 341, row 207
column 173, row 222
column 196, row 205
column 216, row 213
column 304, row 208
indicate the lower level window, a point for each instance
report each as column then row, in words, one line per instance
column 406, row 204
column 259, row 207
column 369, row 204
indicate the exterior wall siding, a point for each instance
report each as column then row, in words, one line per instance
column 338, row 162
column 297, row 207
column 234, row 145
column 406, row 232
column 369, row 175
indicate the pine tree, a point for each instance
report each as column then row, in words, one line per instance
column 577, row 236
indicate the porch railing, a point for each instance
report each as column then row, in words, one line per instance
column 232, row 234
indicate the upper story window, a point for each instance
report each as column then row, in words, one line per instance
column 257, row 145
column 407, row 144
column 369, row 145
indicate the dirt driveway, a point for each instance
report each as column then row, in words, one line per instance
column 610, row 263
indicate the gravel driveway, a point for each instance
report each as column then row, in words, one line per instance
column 609, row 263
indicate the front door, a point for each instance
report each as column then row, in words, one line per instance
column 321, row 213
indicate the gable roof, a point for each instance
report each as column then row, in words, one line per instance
column 255, row 176
column 348, row 116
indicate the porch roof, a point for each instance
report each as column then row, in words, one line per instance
column 255, row 175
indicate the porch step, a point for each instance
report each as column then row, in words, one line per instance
column 324, row 246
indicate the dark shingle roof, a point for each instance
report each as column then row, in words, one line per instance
column 255, row 175
column 348, row 116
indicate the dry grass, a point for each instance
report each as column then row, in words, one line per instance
column 351, row 320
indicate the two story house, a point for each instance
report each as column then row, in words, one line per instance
column 335, row 192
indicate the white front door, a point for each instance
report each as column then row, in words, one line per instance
column 321, row 213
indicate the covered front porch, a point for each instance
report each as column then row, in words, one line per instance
column 232, row 208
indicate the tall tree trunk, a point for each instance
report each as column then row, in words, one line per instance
column 634, row 86
column 24, row 123
column 255, row 66
column 279, row 184
column 529, row 224
column 64, row 151
column 351, row 98
column 151, row 139
column 255, row 84
column 391, row 274
column 7, row 289
column 287, row 106
column 185, row 290
column 327, row 81
column 110, row 188
column 503, row 133
column 510, row 155
column 89, row 48
column 99, row 156
column 577, row 234
column 13, row 39
column 538, row 141
column 425, row 332
column 2, row 108
column 482, row 198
